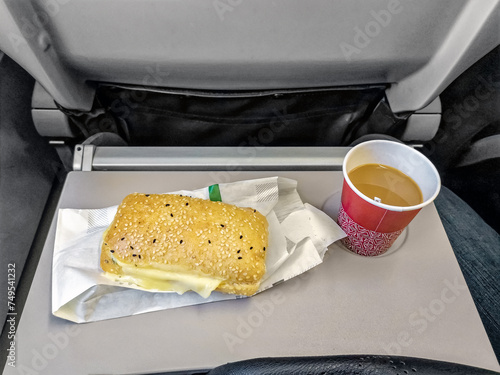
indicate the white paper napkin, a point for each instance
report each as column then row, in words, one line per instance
column 299, row 236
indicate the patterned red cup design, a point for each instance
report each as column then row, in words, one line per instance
column 364, row 241
column 372, row 227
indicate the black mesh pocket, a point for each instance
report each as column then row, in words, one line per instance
column 301, row 118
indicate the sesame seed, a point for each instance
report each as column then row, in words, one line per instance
column 240, row 257
column 123, row 238
column 112, row 251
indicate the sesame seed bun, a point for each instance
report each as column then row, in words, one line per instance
column 173, row 237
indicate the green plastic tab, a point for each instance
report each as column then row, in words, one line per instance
column 214, row 193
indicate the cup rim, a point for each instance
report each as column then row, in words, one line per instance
column 387, row 206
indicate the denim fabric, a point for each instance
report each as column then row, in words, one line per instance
column 477, row 248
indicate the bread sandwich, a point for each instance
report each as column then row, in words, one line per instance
column 172, row 242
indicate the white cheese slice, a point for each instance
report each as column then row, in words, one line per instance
column 168, row 279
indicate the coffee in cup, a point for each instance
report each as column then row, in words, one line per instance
column 385, row 185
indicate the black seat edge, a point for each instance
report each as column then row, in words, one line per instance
column 347, row 365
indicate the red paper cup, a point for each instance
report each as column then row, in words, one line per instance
column 372, row 227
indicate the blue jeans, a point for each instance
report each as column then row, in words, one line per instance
column 477, row 248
